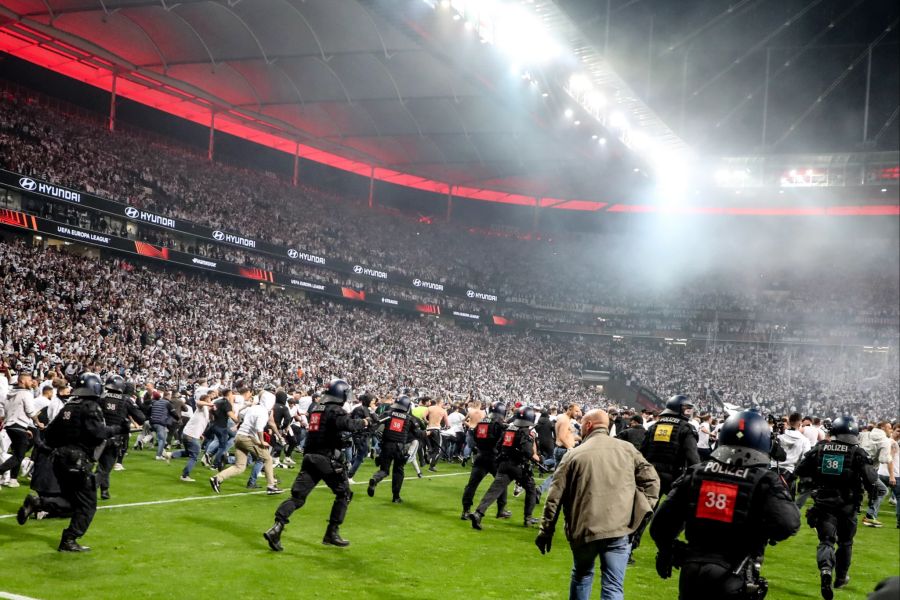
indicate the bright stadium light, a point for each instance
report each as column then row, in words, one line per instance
column 595, row 100
column 618, row 120
column 569, row 113
column 579, row 83
column 521, row 35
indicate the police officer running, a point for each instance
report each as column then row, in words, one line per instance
column 323, row 460
column 837, row 471
column 487, row 434
column 117, row 409
column 75, row 434
column 517, row 451
column 399, row 426
column 729, row 507
column 671, row 443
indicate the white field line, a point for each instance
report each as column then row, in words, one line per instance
column 210, row 497
column 8, row 596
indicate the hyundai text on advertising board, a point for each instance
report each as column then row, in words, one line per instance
column 148, row 217
column 221, row 236
column 30, row 185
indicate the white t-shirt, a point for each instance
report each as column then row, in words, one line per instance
column 4, row 389
column 303, row 404
column 197, row 423
column 56, row 405
column 455, row 420
column 895, row 454
column 255, row 420
column 703, row 436
column 812, row 434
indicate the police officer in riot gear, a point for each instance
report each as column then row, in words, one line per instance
column 517, row 452
column 75, row 434
column 399, row 427
column 729, row 506
column 323, row 460
column 117, row 409
column 671, row 443
column 487, row 436
column 837, row 471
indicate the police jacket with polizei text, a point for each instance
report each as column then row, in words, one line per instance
column 671, row 445
column 399, row 427
column 79, row 424
column 117, row 408
column 516, row 445
column 726, row 511
column 839, row 472
column 326, row 422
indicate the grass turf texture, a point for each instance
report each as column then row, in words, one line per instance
column 213, row 547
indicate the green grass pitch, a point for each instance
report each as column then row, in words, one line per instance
column 210, row 546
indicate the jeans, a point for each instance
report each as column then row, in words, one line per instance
column 881, row 492
column 558, row 453
column 896, row 489
column 613, row 555
column 191, row 450
column 161, row 432
column 360, row 450
column 222, row 435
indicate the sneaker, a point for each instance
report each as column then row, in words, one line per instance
column 397, row 500
column 841, row 581
column 204, row 459
column 871, row 522
column 118, row 467
column 351, row 482
column 167, row 456
column 432, row 469
column 215, row 484
column 503, row 514
column 530, row 521
column 476, row 517
column 187, row 478
column 159, row 458
column 825, row 579
column 273, row 489
column 288, row 461
column 419, row 475
column 104, row 494
column 517, row 491
column 252, row 486
column 893, row 501
column 371, row 489
column 12, row 483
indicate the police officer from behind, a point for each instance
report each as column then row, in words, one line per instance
column 517, row 452
column 729, row 506
column 837, row 471
column 75, row 434
column 323, row 460
column 487, row 434
column 399, row 427
column 671, row 443
column 117, row 409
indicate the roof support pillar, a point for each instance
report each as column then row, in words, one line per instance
column 211, row 151
column 112, row 101
column 537, row 215
column 449, row 203
column 371, row 187
column 296, row 177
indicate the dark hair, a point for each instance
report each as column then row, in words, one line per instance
column 637, row 419
column 794, row 418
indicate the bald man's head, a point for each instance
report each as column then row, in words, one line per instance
column 592, row 420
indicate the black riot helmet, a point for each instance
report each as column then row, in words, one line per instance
column 845, row 429
column 89, row 385
column 677, row 404
column 115, row 383
column 744, row 440
column 338, row 392
column 498, row 408
column 128, row 388
column 402, row 403
column 525, row 417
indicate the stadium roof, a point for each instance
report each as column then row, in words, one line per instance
column 355, row 87
column 398, row 91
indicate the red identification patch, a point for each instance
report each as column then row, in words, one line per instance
column 716, row 501
column 314, row 420
column 508, row 438
column 481, row 432
column 396, row 424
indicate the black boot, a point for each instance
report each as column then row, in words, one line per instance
column 465, row 515
column 70, row 545
column 333, row 537
column 104, row 494
column 371, row 489
column 273, row 536
column 827, row 592
column 476, row 518
column 29, row 506
column 529, row 521
column 503, row 514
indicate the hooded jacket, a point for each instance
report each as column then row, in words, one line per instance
column 795, row 445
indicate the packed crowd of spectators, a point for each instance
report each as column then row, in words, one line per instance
column 171, row 180
column 70, row 313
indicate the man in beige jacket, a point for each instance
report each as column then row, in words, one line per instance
column 604, row 487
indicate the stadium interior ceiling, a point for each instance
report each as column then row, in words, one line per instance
column 424, row 100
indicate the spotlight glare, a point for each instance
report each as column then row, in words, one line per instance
column 603, row 141
column 569, row 113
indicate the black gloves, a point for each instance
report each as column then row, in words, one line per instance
column 543, row 541
column 664, row 564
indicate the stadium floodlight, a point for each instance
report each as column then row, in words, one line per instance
column 595, row 100
column 579, row 83
column 521, row 35
column 602, row 141
column 618, row 120
column 569, row 113
column 639, row 140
